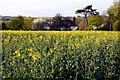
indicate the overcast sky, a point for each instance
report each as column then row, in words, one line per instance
column 49, row 7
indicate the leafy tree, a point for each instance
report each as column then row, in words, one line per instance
column 114, row 11
column 62, row 23
column 16, row 24
column 86, row 11
column 27, row 23
column 57, row 20
column 95, row 21
column 3, row 26
column 116, row 25
column 20, row 20
column 40, row 25
column 114, row 15
column 66, row 21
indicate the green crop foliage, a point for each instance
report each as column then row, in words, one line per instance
column 60, row 55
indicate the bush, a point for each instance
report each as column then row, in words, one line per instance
column 60, row 55
column 116, row 25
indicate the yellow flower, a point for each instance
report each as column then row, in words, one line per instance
column 30, row 49
column 17, row 53
column 97, row 40
column 11, row 63
column 31, row 41
column 34, row 57
column 40, row 37
column 30, row 54
column 78, row 45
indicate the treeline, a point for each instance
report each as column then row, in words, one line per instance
column 58, row 22
column 18, row 23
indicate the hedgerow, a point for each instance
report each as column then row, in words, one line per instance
column 60, row 55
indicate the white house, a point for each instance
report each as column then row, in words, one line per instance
column 37, row 21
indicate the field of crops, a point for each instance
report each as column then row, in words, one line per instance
column 60, row 55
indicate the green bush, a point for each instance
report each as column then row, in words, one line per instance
column 60, row 55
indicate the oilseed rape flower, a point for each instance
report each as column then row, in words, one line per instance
column 60, row 54
column 17, row 53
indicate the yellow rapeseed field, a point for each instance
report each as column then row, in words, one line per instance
column 89, row 55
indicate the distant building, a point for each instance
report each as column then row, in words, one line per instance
column 40, row 23
column 47, row 23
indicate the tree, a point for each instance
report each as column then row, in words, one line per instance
column 27, row 23
column 114, row 14
column 16, row 24
column 4, row 26
column 114, row 11
column 86, row 11
column 40, row 25
column 116, row 25
column 82, row 24
column 66, row 21
column 96, row 21
column 57, row 20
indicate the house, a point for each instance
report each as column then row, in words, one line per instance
column 40, row 23
column 47, row 23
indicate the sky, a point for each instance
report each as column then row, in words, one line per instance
column 49, row 7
